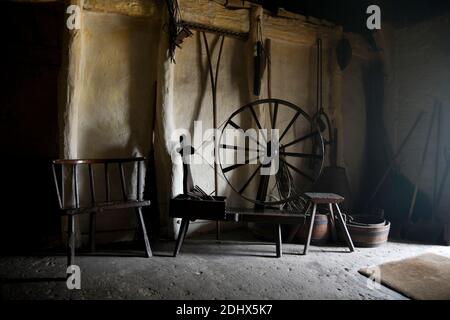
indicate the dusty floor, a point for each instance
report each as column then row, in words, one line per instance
column 209, row 270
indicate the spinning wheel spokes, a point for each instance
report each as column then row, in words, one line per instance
column 299, row 171
column 275, row 114
column 301, row 155
column 256, row 159
column 308, row 136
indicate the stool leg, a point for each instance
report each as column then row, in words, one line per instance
column 181, row 235
column 148, row 249
column 348, row 239
column 333, row 225
column 279, row 242
column 311, row 226
column 70, row 240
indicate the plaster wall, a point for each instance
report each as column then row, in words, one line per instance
column 121, row 55
column 115, row 108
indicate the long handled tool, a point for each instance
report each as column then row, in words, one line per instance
column 394, row 159
column 214, row 79
column 151, row 213
column 436, row 161
column 423, row 230
column 422, row 164
column 444, row 179
column 440, row 192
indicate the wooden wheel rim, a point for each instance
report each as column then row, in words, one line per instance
column 298, row 112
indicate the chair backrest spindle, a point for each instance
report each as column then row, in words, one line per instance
column 122, row 182
column 63, row 187
column 75, row 185
column 107, row 183
column 55, row 179
column 73, row 165
column 91, row 183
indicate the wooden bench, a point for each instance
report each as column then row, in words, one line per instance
column 66, row 176
column 192, row 210
column 214, row 210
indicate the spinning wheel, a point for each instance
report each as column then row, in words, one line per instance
column 275, row 150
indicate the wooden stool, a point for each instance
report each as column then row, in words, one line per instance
column 328, row 199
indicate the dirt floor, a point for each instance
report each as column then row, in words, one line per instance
column 206, row 269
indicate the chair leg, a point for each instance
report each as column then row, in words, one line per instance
column 279, row 242
column 348, row 239
column 181, row 236
column 333, row 224
column 148, row 249
column 92, row 228
column 70, row 240
column 311, row 226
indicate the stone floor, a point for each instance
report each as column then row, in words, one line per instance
column 206, row 269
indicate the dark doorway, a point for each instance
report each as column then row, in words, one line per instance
column 29, row 135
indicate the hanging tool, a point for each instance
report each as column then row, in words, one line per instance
column 344, row 53
column 151, row 213
column 259, row 58
column 214, row 79
column 321, row 115
column 320, row 118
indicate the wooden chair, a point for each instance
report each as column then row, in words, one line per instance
column 69, row 201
